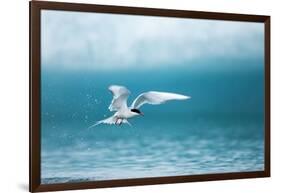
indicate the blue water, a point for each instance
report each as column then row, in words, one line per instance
column 220, row 129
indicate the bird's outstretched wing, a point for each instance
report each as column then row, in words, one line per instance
column 120, row 96
column 110, row 121
column 156, row 98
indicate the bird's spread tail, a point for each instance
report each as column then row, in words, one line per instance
column 110, row 121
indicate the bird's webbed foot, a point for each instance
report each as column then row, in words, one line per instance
column 121, row 122
column 117, row 122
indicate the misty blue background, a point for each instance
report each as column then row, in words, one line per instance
column 218, row 63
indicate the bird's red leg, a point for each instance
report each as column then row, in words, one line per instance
column 116, row 121
column 121, row 122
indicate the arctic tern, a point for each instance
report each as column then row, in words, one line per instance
column 123, row 112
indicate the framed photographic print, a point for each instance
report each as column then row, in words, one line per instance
column 123, row 96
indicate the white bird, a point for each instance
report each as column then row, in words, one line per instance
column 123, row 112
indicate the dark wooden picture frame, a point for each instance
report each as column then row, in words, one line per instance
column 35, row 109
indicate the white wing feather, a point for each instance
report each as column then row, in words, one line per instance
column 110, row 121
column 156, row 98
column 120, row 96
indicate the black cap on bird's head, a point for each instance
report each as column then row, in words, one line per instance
column 137, row 111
